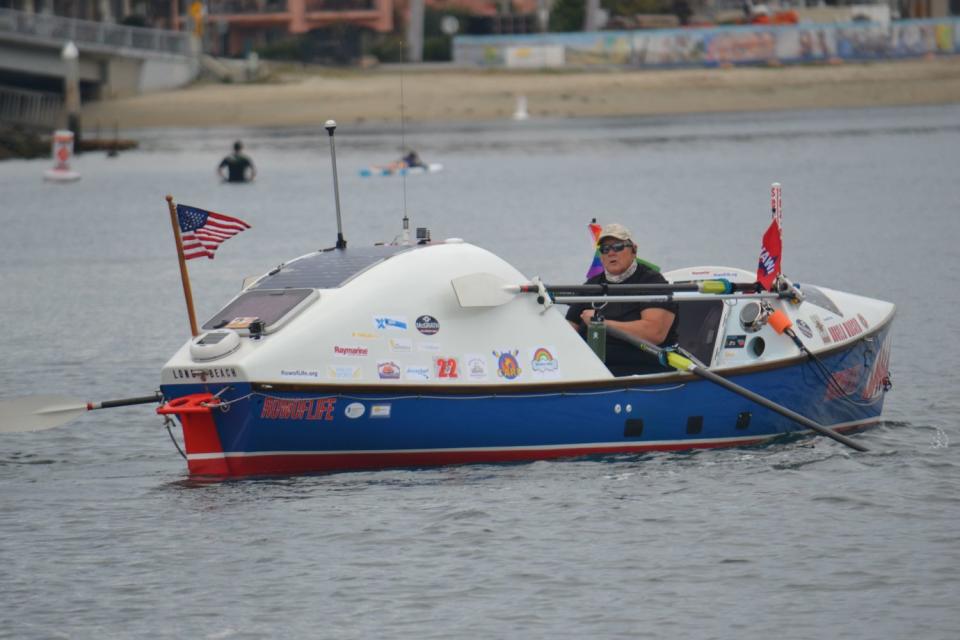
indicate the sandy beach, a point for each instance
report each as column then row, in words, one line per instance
column 305, row 97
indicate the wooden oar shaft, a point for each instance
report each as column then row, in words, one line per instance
column 681, row 363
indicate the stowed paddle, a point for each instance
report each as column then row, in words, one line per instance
column 681, row 363
column 36, row 413
column 489, row 290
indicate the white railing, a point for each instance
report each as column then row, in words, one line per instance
column 35, row 108
column 97, row 34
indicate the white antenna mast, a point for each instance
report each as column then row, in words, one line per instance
column 403, row 150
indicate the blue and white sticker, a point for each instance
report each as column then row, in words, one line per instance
column 804, row 328
column 386, row 323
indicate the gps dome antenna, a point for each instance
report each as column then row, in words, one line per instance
column 331, row 126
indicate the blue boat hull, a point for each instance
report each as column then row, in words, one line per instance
column 289, row 429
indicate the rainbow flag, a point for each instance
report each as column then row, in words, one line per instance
column 596, row 268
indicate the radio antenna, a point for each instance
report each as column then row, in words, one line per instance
column 403, row 141
column 331, row 126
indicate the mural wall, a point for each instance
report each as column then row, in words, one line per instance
column 746, row 45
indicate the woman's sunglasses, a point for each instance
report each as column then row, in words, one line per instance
column 614, row 246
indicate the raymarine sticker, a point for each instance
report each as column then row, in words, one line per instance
column 350, row 351
column 354, row 410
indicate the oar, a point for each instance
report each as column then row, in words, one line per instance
column 681, row 363
column 36, row 413
column 489, row 290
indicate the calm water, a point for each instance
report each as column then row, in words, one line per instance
column 103, row 536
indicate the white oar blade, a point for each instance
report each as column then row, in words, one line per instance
column 36, row 413
column 483, row 290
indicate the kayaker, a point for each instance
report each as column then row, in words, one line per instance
column 655, row 322
column 237, row 167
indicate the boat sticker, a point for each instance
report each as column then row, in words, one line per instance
column 446, row 368
column 427, row 325
column 475, row 366
column 853, row 327
column 384, row 323
column 214, row 373
column 354, row 410
column 507, row 365
column 837, row 334
column 863, row 321
column 298, row 409
column 818, row 323
column 380, row 411
column 879, row 379
column 365, row 335
column 804, row 328
column 734, row 342
column 299, row 373
column 240, row 323
column 344, row 372
column 418, row 372
column 388, row 370
column 845, row 381
column 432, row 347
column 543, row 363
column 350, row 351
column 400, row 345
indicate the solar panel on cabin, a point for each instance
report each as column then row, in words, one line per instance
column 265, row 305
column 327, row 269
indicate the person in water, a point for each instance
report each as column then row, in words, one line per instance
column 237, row 167
column 655, row 322
column 412, row 159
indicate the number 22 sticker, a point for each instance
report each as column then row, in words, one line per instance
column 445, row 367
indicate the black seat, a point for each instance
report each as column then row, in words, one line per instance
column 699, row 327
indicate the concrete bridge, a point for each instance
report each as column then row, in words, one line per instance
column 114, row 60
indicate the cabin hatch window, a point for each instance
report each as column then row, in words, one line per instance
column 267, row 305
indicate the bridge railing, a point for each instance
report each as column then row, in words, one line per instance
column 97, row 34
column 33, row 108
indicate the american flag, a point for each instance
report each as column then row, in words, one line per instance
column 203, row 231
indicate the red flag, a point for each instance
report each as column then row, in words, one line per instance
column 768, row 267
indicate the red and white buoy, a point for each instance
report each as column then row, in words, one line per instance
column 62, row 153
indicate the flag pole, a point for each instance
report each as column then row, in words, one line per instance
column 184, row 276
